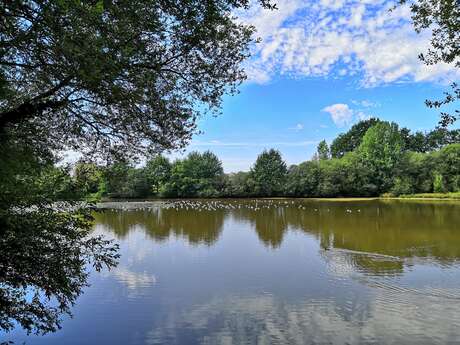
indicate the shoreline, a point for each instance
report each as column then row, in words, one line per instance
column 338, row 199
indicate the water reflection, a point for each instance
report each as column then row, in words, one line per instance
column 197, row 226
column 377, row 236
column 45, row 259
column 274, row 272
column 264, row 319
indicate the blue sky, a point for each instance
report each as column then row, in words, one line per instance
column 321, row 67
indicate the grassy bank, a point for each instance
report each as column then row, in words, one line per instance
column 447, row 196
column 427, row 196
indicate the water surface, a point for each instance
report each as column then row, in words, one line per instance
column 273, row 272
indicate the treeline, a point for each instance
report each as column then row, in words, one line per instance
column 373, row 158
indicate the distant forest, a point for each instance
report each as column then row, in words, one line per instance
column 373, row 158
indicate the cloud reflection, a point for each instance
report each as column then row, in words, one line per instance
column 265, row 319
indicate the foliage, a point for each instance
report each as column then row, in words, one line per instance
column 383, row 163
column 43, row 265
column 118, row 76
column 45, row 245
column 415, row 142
column 443, row 18
column 349, row 141
column 116, row 175
column 236, row 185
column 331, row 179
column 402, row 185
column 137, row 185
column 389, row 159
column 158, row 172
column 438, row 184
column 417, row 168
column 381, row 153
column 198, row 175
column 268, row 174
column 89, row 179
column 449, row 166
column 323, row 151
column 441, row 137
column 302, row 179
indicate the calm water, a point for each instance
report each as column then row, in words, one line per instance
column 274, row 272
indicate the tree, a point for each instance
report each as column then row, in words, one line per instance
column 441, row 137
column 350, row 140
column 198, row 175
column 443, row 16
column 158, row 171
column 236, row 184
column 303, row 180
column 417, row 142
column 323, row 151
column 438, row 183
column 111, row 76
column 357, row 180
column 431, row 141
column 331, row 178
column 136, row 185
column 448, row 165
column 381, row 151
column 116, row 176
column 46, row 248
column 204, row 165
column 268, row 173
column 89, row 179
column 415, row 169
column 122, row 180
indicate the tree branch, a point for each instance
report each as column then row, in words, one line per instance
column 35, row 106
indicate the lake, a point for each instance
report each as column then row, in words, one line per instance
column 273, row 272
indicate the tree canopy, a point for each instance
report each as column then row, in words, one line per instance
column 381, row 150
column 416, row 142
column 268, row 174
column 443, row 18
column 323, row 151
column 198, row 175
column 158, row 171
column 109, row 76
column 350, row 140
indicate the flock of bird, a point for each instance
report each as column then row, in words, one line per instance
column 214, row 205
column 255, row 205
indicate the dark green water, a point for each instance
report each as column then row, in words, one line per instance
column 274, row 272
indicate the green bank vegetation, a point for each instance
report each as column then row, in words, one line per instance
column 374, row 158
column 452, row 196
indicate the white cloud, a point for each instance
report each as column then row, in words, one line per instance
column 365, row 103
column 341, row 38
column 340, row 113
column 297, row 127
